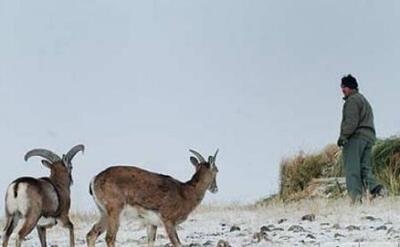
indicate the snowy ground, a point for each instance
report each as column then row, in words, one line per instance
column 336, row 223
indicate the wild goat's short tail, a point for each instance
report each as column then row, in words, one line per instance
column 90, row 189
column 16, row 189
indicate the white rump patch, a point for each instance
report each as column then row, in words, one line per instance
column 147, row 217
column 21, row 203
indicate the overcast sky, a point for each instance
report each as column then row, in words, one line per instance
column 141, row 82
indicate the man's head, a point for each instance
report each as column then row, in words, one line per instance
column 349, row 84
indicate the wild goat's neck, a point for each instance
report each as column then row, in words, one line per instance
column 62, row 182
column 196, row 187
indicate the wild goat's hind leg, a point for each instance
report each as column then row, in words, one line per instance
column 112, row 227
column 96, row 231
column 11, row 223
column 29, row 223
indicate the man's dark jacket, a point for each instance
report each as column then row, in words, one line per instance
column 358, row 119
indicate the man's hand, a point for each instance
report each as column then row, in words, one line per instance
column 341, row 142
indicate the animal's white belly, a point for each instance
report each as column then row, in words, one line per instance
column 47, row 221
column 147, row 217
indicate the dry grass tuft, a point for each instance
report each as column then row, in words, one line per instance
column 386, row 155
column 298, row 171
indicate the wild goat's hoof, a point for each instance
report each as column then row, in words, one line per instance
column 223, row 243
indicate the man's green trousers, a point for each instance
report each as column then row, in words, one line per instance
column 357, row 157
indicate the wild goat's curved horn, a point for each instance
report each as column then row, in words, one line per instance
column 215, row 155
column 44, row 153
column 213, row 158
column 198, row 156
column 71, row 153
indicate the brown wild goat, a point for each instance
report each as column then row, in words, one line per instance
column 155, row 199
column 41, row 202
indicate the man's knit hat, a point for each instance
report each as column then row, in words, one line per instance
column 350, row 82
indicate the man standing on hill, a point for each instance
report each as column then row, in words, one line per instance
column 357, row 136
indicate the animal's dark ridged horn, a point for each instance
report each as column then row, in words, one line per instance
column 215, row 155
column 213, row 158
column 44, row 153
column 71, row 153
column 198, row 156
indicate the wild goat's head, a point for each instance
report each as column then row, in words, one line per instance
column 208, row 168
column 60, row 166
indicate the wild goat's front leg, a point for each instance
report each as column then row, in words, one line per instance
column 42, row 235
column 151, row 235
column 173, row 236
column 66, row 222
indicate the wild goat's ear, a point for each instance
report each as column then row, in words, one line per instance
column 194, row 161
column 211, row 160
column 46, row 163
column 66, row 162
